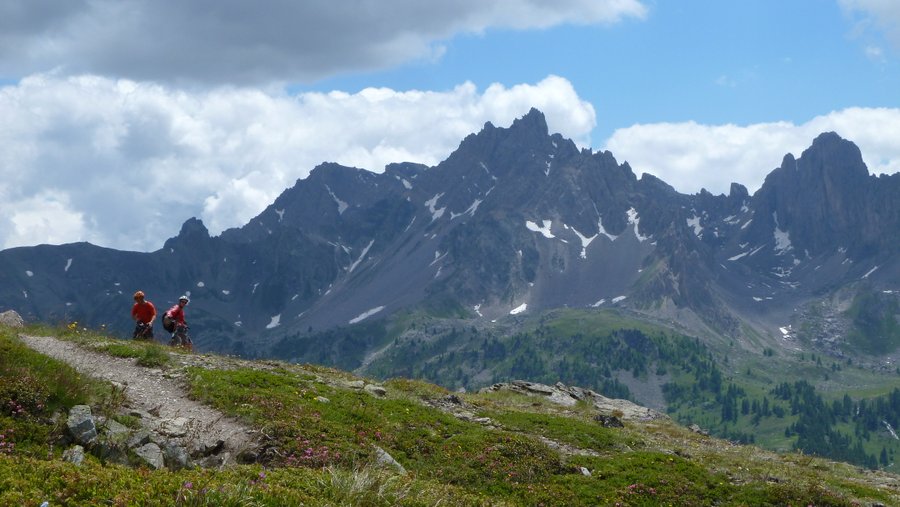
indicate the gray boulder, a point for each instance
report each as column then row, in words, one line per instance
column 177, row 427
column 375, row 390
column 139, row 438
column 384, row 459
column 176, row 457
column 152, row 455
column 81, row 425
column 12, row 319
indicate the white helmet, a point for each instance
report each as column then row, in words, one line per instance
column 184, row 298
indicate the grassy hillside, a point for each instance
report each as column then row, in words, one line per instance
column 781, row 399
column 323, row 431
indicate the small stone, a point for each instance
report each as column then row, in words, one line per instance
column 74, row 455
column 383, row 458
column 322, row 399
column 585, row 472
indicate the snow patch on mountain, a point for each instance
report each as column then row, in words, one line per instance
column 68, row 265
column 612, row 237
column 436, row 213
column 470, row 211
column 342, row 206
column 361, row 257
column 519, row 309
column 694, row 223
column 275, row 322
column 870, row 271
column 545, row 230
column 585, row 241
column 438, row 257
column 365, row 315
column 782, row 238
column 635, row 220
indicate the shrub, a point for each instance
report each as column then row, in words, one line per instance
column 21, row 394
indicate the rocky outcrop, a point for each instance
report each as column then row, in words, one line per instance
column 157, row 443
column 568, row 396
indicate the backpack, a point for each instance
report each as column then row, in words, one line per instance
column 168, row 323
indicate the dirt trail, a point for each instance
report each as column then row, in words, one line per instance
column 154, row 391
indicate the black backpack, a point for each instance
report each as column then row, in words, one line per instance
column 168, row 322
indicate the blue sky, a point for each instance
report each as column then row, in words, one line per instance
column 712, row 62
column 109, row 105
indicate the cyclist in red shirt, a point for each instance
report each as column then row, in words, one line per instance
column 176, row 313
column 173, row 321
column 144, row 313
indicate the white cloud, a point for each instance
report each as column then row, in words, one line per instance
column 123, row 164
column 46, row 218
column 875, row 53
column 215, row 41
column 690, row 156
column 882, row 14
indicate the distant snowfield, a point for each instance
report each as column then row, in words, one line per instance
column 519, row 309
column 276, row 321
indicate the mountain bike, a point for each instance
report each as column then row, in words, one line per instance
column 143, row 331
column 181, row 338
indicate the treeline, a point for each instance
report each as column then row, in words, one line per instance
column 464, row 357
column 838, row 430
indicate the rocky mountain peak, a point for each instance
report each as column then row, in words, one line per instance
column 193, row 228
column 533, row 124
column 193, row 234
column 821, row 199
column 833, row 158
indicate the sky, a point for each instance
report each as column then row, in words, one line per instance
column 121, row 119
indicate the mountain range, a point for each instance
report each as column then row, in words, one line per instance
column 515, row 221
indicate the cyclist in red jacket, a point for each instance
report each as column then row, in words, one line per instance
column 176, row 313
column 174, row 322
column 143, row 312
